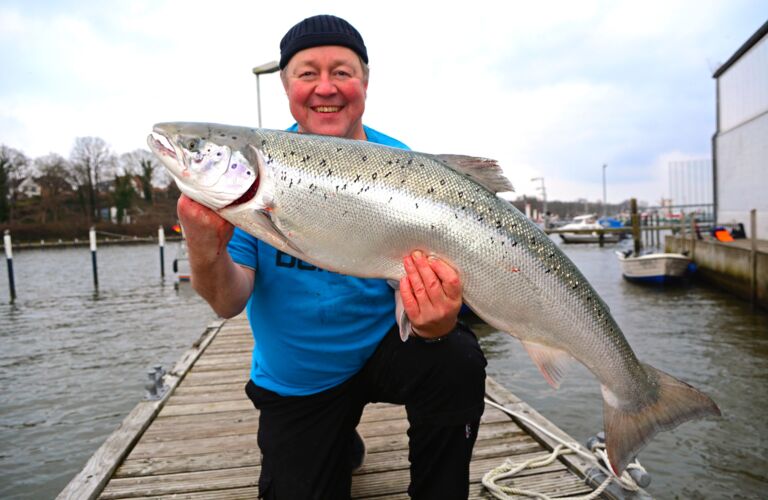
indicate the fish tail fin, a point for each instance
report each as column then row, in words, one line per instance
column 627, row 430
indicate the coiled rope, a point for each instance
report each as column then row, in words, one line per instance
column 509, row 468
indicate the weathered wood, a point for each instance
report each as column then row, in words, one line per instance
column 89, row 482
column 202, row 442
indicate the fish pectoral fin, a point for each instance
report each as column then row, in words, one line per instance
column 550, row 361
column 484, row 171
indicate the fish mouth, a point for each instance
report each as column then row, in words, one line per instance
column 162, row 146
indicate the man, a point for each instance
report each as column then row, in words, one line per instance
column 327, row 344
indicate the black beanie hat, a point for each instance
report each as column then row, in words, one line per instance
column 321, row 30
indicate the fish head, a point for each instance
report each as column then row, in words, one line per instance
column 210, row 164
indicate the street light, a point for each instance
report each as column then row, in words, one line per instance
column 264, row 69
column 605, row 200
column 543, row 197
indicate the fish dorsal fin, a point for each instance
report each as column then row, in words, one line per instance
column 484, row 171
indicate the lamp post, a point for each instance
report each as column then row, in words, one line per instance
column 605, row 200
column 264, row 69
column 544, row 199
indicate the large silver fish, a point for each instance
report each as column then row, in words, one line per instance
column 358, row 208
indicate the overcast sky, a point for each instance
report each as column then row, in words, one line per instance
column 550, row 89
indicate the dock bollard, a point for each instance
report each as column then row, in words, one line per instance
column 161, row 242
column 156, row 387
column 92, row 236
column 9, row 260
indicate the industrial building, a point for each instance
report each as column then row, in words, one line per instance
column 740, row 144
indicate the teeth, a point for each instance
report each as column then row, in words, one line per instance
column 327, row 109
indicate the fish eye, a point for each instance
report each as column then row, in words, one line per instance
column 192, row 144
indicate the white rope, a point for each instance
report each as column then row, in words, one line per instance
column 509, row 469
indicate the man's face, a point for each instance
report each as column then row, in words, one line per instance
column 326, row 91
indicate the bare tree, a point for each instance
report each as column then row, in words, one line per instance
column 52, row 175
column 13, row 170
column 92, row 160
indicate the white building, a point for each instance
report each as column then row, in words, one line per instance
column 740, row 144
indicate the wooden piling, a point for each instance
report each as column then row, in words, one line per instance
column 636, row 234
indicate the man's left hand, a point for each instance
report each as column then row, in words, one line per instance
column 431, row 294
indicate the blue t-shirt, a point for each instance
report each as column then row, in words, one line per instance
column 313, row 329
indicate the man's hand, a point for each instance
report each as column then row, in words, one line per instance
column 225, row 285
column 206, row 233
column 431, row 294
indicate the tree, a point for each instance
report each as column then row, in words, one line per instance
column 53, row 173
column 123, row 195
column 142, row 163
column 92, row 160
column 13, row 171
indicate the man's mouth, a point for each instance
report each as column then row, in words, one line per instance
column 326, row 109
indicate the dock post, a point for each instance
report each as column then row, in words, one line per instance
column 9, row 260
column 161, row 242
column 92, row 237
column 693, row 236
column 635, row 225
column 753, row 256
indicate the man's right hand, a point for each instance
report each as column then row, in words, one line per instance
column 225, row 285
column 207, row 234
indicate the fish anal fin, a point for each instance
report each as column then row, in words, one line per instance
column 550, row 361
column 630, row 427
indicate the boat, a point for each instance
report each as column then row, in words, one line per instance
column 586, row 223
column 654, row 267
column 181, row 263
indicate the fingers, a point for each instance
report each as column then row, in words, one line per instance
column 431, row 294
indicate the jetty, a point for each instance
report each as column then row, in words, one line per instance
column 198, row 438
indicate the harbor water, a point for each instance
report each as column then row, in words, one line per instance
column 73, row 363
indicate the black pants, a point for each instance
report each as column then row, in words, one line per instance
column 306, row 441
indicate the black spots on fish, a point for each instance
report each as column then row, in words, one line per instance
column 442, row 182
column 575, row 285
column 344, row 187
column 402, row 181
column 390, row 199
column 323, row 163
column 222, row 134
column 460, row 194
column 298, row 181
column 430, row 190
column 304, row 159
column 533, row 241
column 345, row 212
column 234, row 137
column 325, row 196
column 290, row 184
column 387, row 174
column 498, row 224
column 551, row 255
column 330, row 172
column 417, row 205
column 374, row 175
column 357, row 178
column 293, row 153
column 463, row 207
column 364, row 158
column 337, row 188
column 263, row 141
column 547, row 270
column 432, row 227
column 514, row 243
column 389, row 162
column 410, row 162
column 479, row 219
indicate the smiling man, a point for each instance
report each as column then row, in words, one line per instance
column 326, row 344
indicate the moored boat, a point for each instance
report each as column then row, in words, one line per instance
column 588, row 227
column 654, row 267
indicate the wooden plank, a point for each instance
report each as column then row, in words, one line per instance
column 97, row 471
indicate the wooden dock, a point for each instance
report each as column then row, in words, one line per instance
column 199, row 440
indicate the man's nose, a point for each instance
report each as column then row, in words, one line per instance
column 325, row 87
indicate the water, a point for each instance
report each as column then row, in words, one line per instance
column 73, row 363
column 699, row 334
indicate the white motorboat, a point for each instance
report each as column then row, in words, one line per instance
column 584, row 223
column 654, row 267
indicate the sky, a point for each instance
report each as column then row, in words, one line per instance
column 550, row 89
